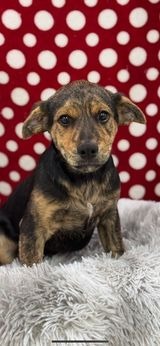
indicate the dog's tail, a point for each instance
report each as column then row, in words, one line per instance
column 11, row 214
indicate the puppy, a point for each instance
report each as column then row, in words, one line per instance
column 75, row 186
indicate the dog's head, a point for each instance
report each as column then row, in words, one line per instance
column 82, row 119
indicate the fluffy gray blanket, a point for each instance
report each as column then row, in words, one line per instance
column 88, row 297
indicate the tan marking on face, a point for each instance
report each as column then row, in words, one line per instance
column 8, row 250
column 107, row 135
column 84, row 116
column 98, row 105
column 71, row 108
column 66, row 138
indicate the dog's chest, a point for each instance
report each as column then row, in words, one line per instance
column 83, row 208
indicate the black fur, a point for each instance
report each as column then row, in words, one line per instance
column 47, row 177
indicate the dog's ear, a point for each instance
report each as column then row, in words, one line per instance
column 37, row 121
column 127, row 111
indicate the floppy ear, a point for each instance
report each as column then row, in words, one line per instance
column 127, row 111
column 37, row 121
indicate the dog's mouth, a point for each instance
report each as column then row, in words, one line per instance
column 88, row 166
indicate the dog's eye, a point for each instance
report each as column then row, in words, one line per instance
column 103, row 117
column 65, row 120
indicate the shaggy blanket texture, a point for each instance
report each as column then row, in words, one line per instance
column 88, row 295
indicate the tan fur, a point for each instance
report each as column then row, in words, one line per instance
column 89, row 204
column 8, row 250
column 67, row 139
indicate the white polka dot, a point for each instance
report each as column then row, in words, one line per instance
column 123, row 145
column 20, row 96
column 152, row 73
column 2, row 130
column 63, row 78
column 157, row 189
column 92, row 39
column 136, row 129
column 4, row 77
column 158, row 159
column 123, row 76
column 18, row 130
column 43, row 20
column 151, row 143
column 15, row 59
column 47, row 135
column 29, row 40
column 138, row 92
column 27, row 162
column 5, row 188
column 137, row 56
column 124, row 176
column 14, row 176
column 93, row 77
column 90, row 3
column 33, row 78
column 137, row 191
column 123, row 2
column 61, row 40
column 108, row 57
column 58, row 3
column 154, row 1
column 138, row 17
column 7, row 113
column 158, row 126
column 107, row 19
column 115, row 160
column 25, row 3
column 39, row 148
column 123, row 37
column 46, row 93
column 11, row 19
column 150, row 175
column 77, row 59
column 2, row 39
column 153, row 36
column 137, row 160
column 76, row 20
column 111, row 88
column 151, row 109
column 158, row 92
column 3, row 160
column 11, row 145
column 47, row 59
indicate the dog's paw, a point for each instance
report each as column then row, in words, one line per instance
column 118, row 253
column 28, row 255
column 29, row 260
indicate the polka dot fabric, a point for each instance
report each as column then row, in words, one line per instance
column 45, row 45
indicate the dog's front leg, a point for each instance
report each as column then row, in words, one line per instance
column 110, row 232
column 31, row 241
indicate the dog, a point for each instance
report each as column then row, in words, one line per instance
column 75, row 186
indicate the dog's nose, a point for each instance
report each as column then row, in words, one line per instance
column 87, row 150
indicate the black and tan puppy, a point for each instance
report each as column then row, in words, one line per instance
column 75, row 186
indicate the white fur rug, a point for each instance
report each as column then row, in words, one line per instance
column 88, row 295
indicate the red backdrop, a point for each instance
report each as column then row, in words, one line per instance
column 46, row 44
